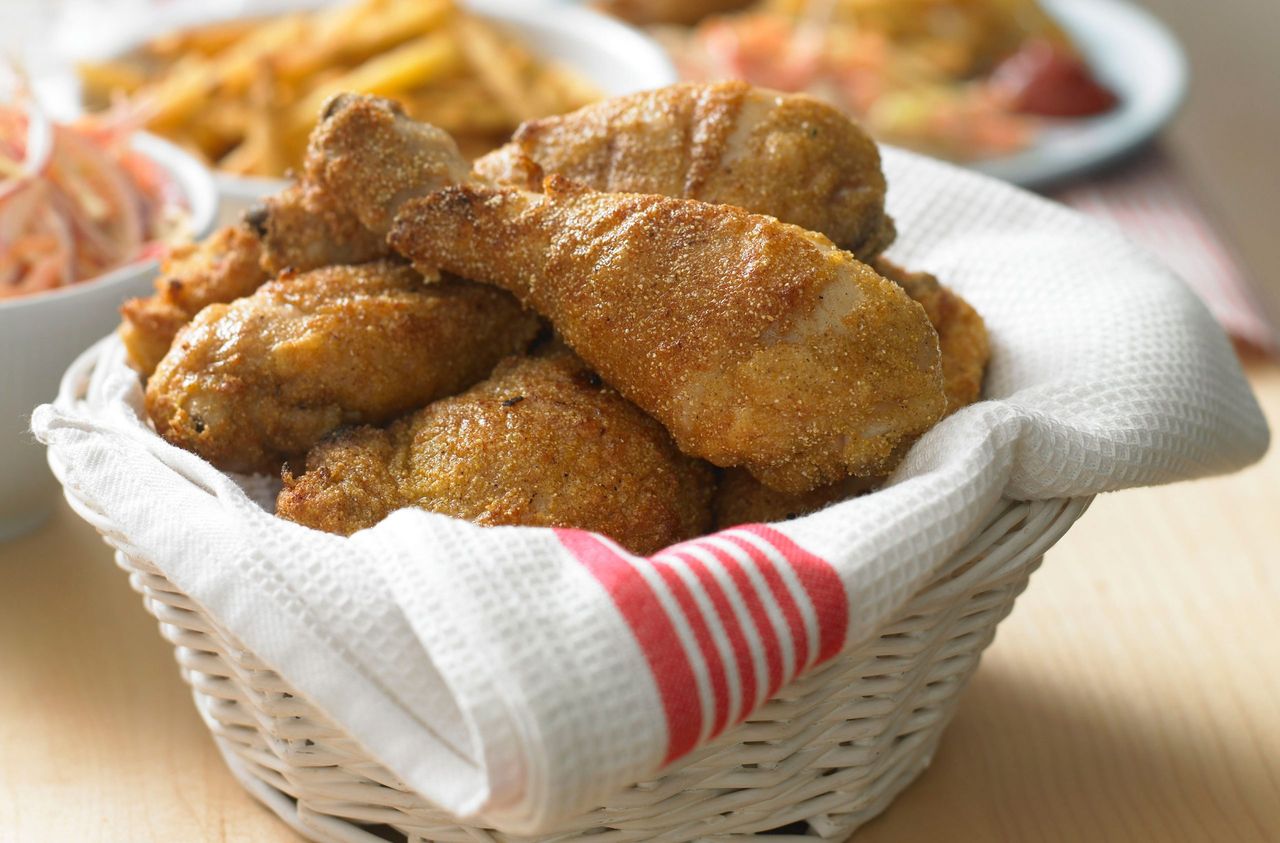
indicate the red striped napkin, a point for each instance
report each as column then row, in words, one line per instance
column 1150, row 201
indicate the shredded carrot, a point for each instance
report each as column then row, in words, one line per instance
column 79, row 208
column 904, row 90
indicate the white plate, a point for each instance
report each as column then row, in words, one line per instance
column 1131, row 52
column 616, row 58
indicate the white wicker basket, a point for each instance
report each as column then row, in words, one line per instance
column 827, row 754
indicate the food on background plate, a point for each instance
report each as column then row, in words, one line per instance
column 251, row 384
column 77, row 201
column 961, row 79
column 542, row 442
column 788, row 156
column 741, row 332
column 244, row 93
column 667, row 11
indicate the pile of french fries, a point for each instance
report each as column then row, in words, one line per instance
column 244, row 94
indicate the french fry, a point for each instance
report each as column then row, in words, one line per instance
column 459, row 105
column 243, row 160
column 246, row 93
column 410, row 65
column 356, row 33
column 206, row 39
column 101, row 79
column 265, row 131
column 181, row 93
column 492, row 60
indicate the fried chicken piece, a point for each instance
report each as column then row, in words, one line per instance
column 250, row 384
column 789, row 156
column 742, row 499
column 755, row 342
column 543, row 442
column 962, row 335
column 304, row 228
column 222, row 268
column 786, row 155
column 372, row 158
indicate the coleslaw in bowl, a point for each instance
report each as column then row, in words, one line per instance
column 41, row 332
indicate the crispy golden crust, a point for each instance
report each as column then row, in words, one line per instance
column 222, row 268
column 966, row 349
column 755, row 342
column 962, row 335
column 250, row 384
column 543, row 442
column 304, row 228
column 789, row 156
column 372, row 158
column 742, row 499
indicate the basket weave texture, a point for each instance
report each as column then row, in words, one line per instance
column 824, row 756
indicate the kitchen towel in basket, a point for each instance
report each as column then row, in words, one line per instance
column 517, row 675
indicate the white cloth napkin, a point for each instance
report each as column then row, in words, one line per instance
column 515, row 676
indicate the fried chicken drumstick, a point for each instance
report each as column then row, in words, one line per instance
column 755, row 342
column 222, row 268
column 303, row 228
column 785, row 155
column 300, row 229
column 965, row 347
column 789, row 156
column 543, row 442
column 250, row 384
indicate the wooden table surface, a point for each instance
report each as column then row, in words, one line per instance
column 1134, row 694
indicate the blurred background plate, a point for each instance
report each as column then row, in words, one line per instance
column 1137, row 57
column 614, row 57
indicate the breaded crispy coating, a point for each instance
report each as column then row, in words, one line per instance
column 789, row 156
column 756, row 343
column 962, row 335
column 250, row 384
column 372, row 158
column 742, row 499
column 222, row 268
column 543, row 442
column 304, row 228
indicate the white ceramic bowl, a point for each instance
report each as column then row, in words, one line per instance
column 616, row 58
column 41, row 334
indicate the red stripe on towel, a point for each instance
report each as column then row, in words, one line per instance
column 822, row 584
column 654, row 632
column 759, row 619
column 782, row 594
column 710, row 652
column 732, row 625
column 664, row 651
